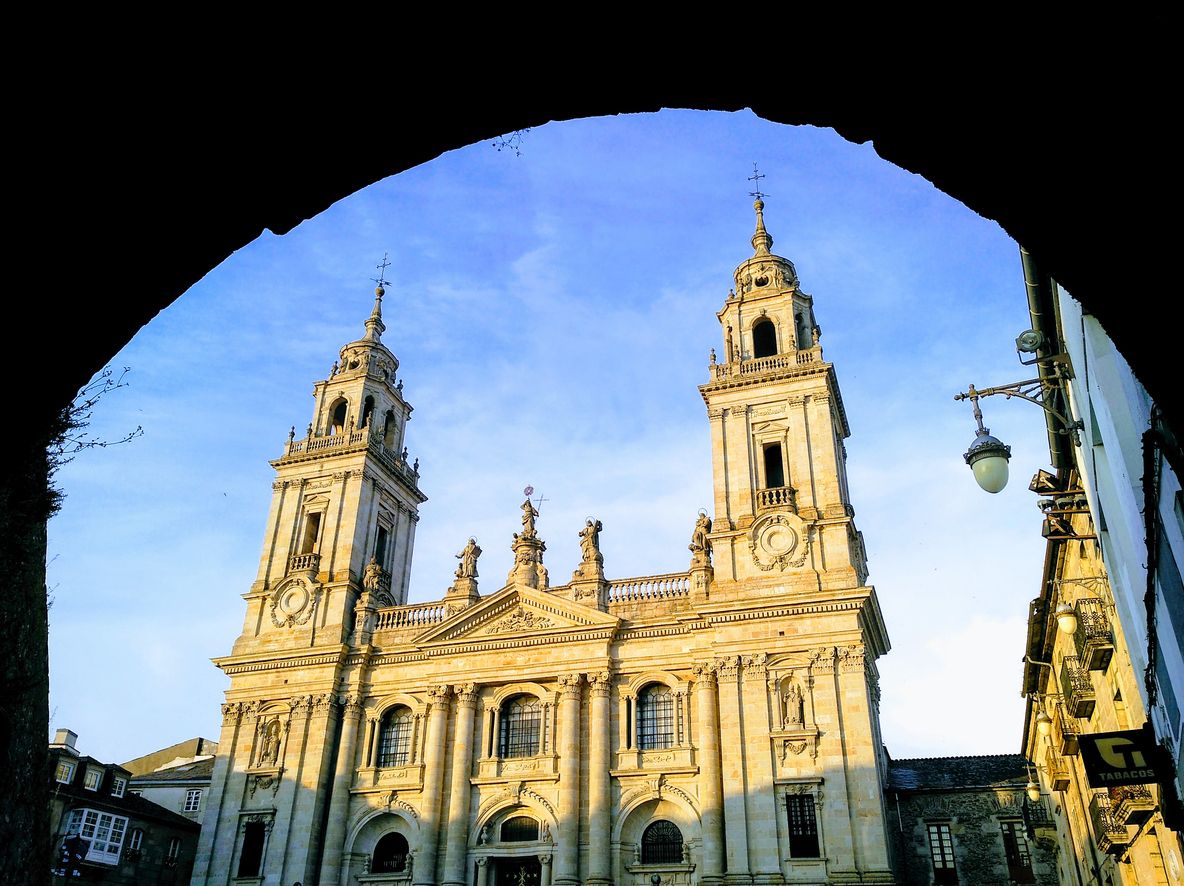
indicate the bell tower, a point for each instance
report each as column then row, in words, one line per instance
column 782, row 512
column 344, row 505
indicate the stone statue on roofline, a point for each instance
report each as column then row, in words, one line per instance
column 467, row 568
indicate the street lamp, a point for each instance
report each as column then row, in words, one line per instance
column 987, row 455
column 1066, row 618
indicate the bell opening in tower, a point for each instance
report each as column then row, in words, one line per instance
column 774, row 467
column 337, row 417
column 764, row 339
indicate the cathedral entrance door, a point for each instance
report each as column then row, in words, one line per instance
column 517, row 871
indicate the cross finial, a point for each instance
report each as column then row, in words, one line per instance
column 382, row 266
column 756, row 177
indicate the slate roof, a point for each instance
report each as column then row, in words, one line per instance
column 952, row 773
column 198, row 770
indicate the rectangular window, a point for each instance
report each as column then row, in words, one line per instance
column 380, row 547
column 193, row 801
column 1015, row 847
column 65, row 771
column 803, row 826
column 118, row 786
column 312, row 529
column 774, row 467
column 941, row 852
column 94, row 777
column 104, row 833
column 170, row 858
column 137, row 839
column 250, row 859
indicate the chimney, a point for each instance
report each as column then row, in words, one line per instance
column 64, row 738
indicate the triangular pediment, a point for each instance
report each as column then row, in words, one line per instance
column 515, row 611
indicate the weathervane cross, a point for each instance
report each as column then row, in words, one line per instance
column 382, row 266
column 756, row 176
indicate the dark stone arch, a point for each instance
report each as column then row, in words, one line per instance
column 1067, row 150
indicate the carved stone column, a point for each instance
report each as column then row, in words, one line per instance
column 568, row 860
column 216, row 842
column 599, row 796
column 457, row 845
column 338, row 811
column 710, row 781
column 732, row 769
column 545, row 870
column 433, row 786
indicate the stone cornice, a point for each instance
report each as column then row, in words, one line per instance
column 555, row 635
column 300, row 658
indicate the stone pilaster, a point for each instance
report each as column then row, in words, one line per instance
column 424, row 873
column 568, row 855
column 761, row 805
column 457, row 844
column 599, row 795
column 351, row 713
column 732, row 768
column 216, row 842
column 710, row 783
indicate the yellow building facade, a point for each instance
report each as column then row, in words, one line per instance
column 716, row 725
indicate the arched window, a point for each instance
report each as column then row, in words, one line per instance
column 337, row 417
column 388, row 430
column 522, row 721
column 764, row 339
column 655, row 717
column 519, row 829
column 367, row 411
column 394, row 741
column 390, row 855
column 661, row 843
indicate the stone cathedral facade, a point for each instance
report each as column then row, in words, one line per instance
column 716, row 725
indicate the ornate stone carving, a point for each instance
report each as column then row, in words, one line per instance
column 704, row 673
column 324, row 703
column 778, row 541
column 439, row 695
column 293, row 602
column 569, row 685
column 600, row 683
column 521, row 619
column 727, row 667
column 754, row 666
column 851, row 659
column 700, row 546
column 822, row 661
column 590, row 541
column 232, row 712
column 466, row 694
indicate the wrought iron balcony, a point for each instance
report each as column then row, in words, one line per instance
column 1112, row 837
column 305, row 563
column 780, row 497
column 1077, row 688
column 1057, row 769
column 1093, row 638
column 1065, row 732
column 1132, row 803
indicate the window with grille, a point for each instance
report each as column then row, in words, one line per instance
column 803, row 826
column 65, row 771
column 661, row 843
column 192, row 801
column 1015, row 847
column 390, row 855
column 941, row 852
column 519, row 829
column 174, row 850
column 103, row 832
column 522, row 721
column 394, row 743
column 655, row 717
column 118, row 786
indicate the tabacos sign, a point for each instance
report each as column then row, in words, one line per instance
column 1117, row 758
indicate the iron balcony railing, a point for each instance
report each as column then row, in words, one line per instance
column 1093, row 638
column 1111, row 836
column 1132, row 803
column 1077, row 688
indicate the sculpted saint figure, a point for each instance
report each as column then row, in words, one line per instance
column 371, row 576
column 699, row 542
column 794, row 703
column 271, row 743
column 528, row 515
column 590, row 541
column 468, row 560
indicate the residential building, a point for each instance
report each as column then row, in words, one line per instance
column 1106, row 633
column 104, row 833
column 969, row 820
column 717, row 723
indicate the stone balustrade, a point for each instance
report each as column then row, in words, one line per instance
column 363, row 436
column 305, row 563
column 778, row 497
column 393, row 618
column 649, row 587
column 762, row 365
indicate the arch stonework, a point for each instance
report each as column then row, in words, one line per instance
column 200, row 212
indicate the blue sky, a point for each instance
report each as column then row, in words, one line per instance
column 553, row 314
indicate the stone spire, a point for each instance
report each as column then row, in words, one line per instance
column 762, row 240
column 374, row 325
